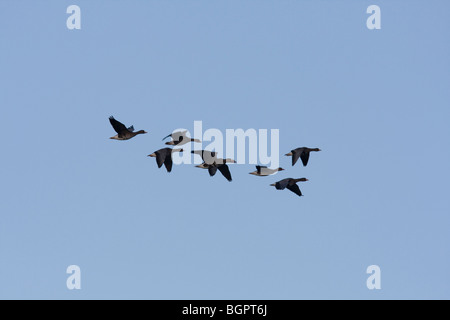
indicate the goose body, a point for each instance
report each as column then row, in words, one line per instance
column 302, row 153
column 221, row 165
column 290, row 184
column 209, row 157
column 123, row 133
column 180, row 138
column 164, row 157
column 262, row 171
column 212, row 169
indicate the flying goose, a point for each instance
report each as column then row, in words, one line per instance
column 291, row 184
column 222, row 167
column 123, row 133
column 164, row 156
column 262, row 171
column 302, row 153
column 180, row 138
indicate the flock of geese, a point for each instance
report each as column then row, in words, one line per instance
column 210, row 160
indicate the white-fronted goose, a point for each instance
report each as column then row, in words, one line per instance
column 223, row 168
column 290, row 184
column 220, row 164
column 302, row 153
column 262, row 171
column 164, row 156
column 180, row 138
column 123, row 133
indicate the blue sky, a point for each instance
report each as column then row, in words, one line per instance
column 376, row 103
